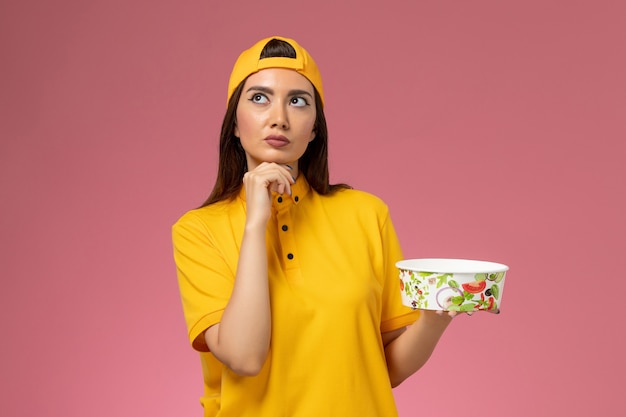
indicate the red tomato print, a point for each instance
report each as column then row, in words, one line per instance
column 475, row 287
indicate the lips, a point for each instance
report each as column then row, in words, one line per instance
column 277, row 141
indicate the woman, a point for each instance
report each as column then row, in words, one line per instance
column 288, row 283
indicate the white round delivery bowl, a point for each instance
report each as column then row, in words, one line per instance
column 451, row 284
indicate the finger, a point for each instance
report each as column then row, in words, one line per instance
column 284, row 168
column 289, row 174
column 285, row 171
column 281, row 185
column 448, row 312
column 278, row 187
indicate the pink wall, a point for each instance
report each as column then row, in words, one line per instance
column 493, row 129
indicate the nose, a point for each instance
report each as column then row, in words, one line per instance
column 279, row 117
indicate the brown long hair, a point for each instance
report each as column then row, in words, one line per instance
column 232, row 158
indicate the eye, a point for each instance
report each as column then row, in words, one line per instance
column 299, row 102
column 258, row 98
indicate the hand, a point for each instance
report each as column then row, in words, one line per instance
column 259, row 184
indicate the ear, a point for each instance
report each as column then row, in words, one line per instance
column 236, row 132
column 312, row 136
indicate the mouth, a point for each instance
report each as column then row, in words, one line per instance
column 277, row 141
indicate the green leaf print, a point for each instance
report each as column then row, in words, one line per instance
column 467, row 307
column 495, row 290
column 442, row 280
column 457, row 300
column 408, row 290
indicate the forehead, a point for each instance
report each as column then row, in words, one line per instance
column 279, row 79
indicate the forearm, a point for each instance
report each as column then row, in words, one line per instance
column 409, row 352
column 243, row 336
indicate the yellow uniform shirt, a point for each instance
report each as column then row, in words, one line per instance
column 334, row 288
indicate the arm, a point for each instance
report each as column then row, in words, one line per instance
column 407, row 350
column 241, row 340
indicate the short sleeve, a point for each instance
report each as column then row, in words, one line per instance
column 205, row 277
column 394, row 314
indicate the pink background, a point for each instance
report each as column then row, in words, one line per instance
column 493, row 129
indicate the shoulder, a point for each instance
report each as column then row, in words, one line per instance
column 356, row 207
column 358, row 199
column 207, row 217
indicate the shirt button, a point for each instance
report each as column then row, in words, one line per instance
column 285, row 228
column 290, row 256
column 280, row 199
column 296, row 199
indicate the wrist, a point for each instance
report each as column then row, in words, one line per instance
column 255, row 225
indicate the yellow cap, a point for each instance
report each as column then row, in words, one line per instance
column 250, row 62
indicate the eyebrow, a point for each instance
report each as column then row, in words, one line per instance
column 270, row 91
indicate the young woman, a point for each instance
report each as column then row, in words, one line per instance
column 288, row 283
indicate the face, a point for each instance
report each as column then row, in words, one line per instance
column 275, row 117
